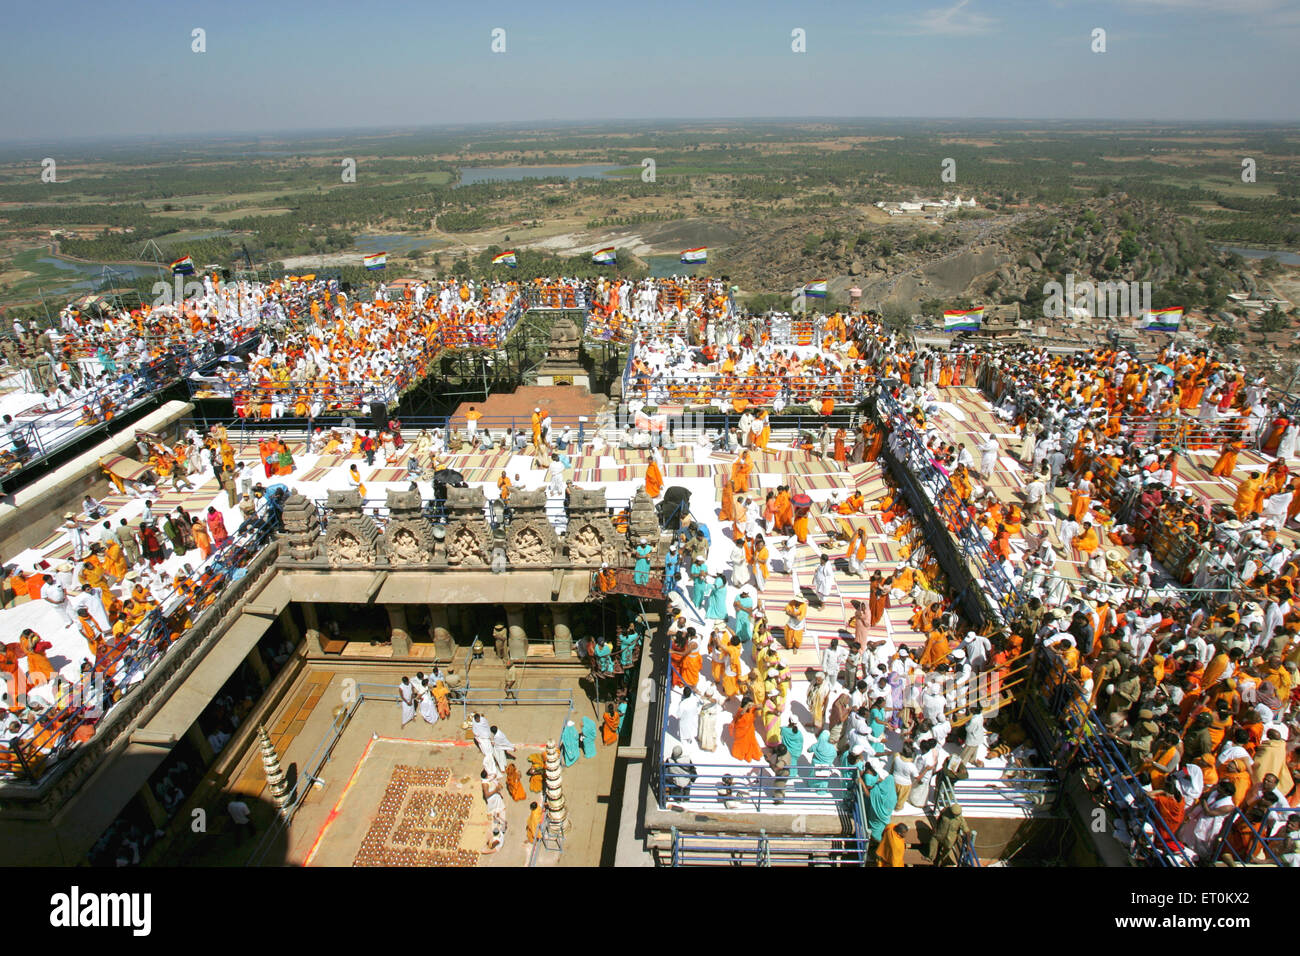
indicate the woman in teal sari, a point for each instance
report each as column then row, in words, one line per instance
column 717, row 599
column 823, row 761
column 641, row 570
column 744, row 607
column 589, row 735
column 699, row 582
column 569, row 745
column 877, row 718
column 793, row 739
column 881, row 798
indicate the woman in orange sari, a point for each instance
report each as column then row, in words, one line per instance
column 744, row 744
column 39, row 669
column 879, row 599
column 441, row 698
column 609, row 726
column 514, row 783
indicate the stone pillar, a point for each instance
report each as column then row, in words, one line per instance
column 151, row 805
column 444, row 648
column 401, row 636
column 289, row 627
column 259, row 666
column 517, row 641
column 563, row 636
column 309, row 616
column 314, row 648
column 195, row 736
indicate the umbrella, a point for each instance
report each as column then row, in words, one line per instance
column 1163, row 368
column 801, row 501
column 449, row 476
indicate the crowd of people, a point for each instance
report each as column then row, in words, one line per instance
column 1171, row 608
column 329, row 353
column 130, row 587
column 98, row 360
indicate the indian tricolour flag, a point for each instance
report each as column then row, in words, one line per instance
column 1163, row 320
column 376, row 260
column 962, row 320
column 697, row 256
column 815, row 290
column 604, row 257
column 506, row 258
column 183, row 266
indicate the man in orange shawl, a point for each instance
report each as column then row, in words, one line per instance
column 654, row 479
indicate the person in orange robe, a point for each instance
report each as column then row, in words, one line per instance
column 691, row 663
column 609, row 726
column 1081, row 497
column 892, row 846
column 744, row 745
column 514, row 784
column 935, row 651
column 879, row 599
column 728, row 499
column 1086, row 540
column 1246, row 494
column 1227, row 462
column 39, row 669
column 654, row 480
column 740, row 474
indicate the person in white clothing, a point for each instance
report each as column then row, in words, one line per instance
column 988, row 456
column 406, row 696
column 688, row 717
column 824, row 578
column 503, row 750
column 977, row 740
column 482, row 734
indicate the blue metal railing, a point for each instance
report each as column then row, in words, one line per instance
column 764, row 849
column 128, row 659
column 1067, row 728
column 1254, row 835
column 934, row 487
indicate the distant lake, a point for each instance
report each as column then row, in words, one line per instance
column 500, row 174
column 96, row 269
column 396, row 244
column 1282, row 256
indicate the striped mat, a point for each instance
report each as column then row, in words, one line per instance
column 388, row 474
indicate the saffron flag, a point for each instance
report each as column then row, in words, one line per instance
column 506, row 258
column 376, row 260
column 697, row 256
column 1163, row 320
column 815, row 290
column 183, row 266
column 604, row 257
column 962, row 320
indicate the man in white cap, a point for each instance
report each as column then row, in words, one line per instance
column 76, row 536
column 92, row 600
column 977, row 648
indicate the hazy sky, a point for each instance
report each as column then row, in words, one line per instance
column 90, row 68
